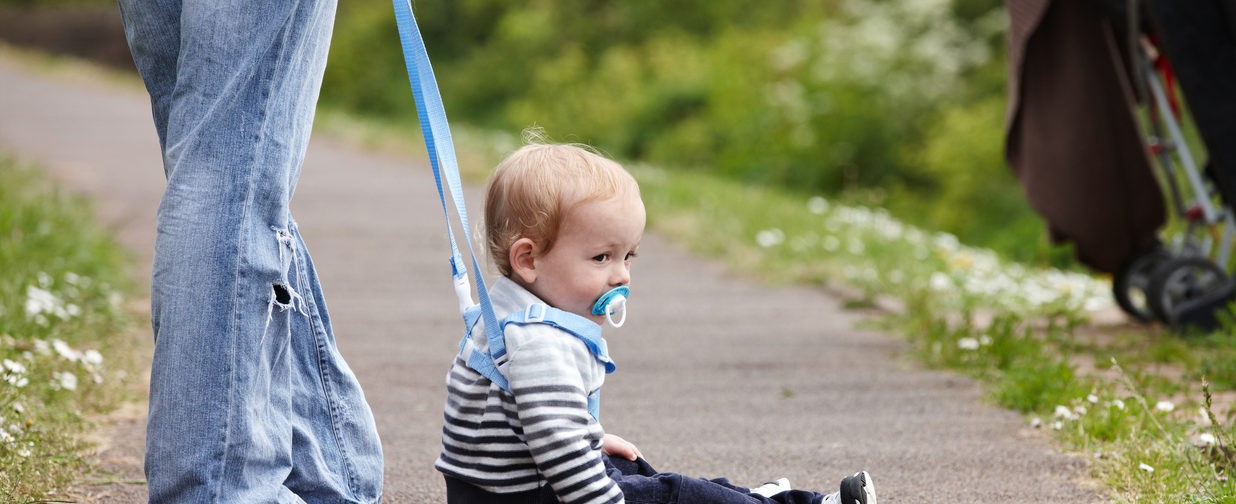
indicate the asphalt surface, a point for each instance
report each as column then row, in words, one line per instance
column 718, row 376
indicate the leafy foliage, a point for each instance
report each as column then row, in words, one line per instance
column 899, row 102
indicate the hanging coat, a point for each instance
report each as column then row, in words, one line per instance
column 1072, row 137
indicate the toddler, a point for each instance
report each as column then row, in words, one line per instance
column 521, row 421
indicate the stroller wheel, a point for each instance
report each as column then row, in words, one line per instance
column 1178, row 284
column 1130, row 285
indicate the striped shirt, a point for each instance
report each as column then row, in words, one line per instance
column 541, row 432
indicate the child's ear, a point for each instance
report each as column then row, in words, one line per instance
column 523, row 260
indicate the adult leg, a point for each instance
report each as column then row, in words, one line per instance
column 152, row 29
column 234, row 123
column 334, row 440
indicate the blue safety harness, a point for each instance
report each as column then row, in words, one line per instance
column 487, row 363
column 437, row 134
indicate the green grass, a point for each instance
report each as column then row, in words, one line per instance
column 1022, row 331
column 64, row 352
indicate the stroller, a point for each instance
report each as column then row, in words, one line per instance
column 1108, row 70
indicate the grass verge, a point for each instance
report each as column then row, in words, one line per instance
column 64, row 352
column 1139, row 402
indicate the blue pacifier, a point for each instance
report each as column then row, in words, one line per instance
column 613, row 301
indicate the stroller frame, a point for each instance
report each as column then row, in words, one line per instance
column 1186, row 282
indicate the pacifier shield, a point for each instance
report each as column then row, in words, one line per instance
column 602, row 305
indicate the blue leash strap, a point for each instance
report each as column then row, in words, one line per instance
column 437, row 133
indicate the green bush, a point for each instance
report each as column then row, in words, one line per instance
column 891, row 102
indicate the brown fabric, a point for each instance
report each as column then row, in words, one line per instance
column 1071, row 132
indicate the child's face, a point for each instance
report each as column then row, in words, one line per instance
column 592, row 254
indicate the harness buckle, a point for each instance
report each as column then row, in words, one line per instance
column 535, row 313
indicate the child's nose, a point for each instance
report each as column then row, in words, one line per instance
column 621, row 275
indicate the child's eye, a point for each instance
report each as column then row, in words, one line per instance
column 601, row 258
column 631, row 255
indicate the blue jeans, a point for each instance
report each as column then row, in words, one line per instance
column 250, row 400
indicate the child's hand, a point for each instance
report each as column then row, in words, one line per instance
column 615, row 446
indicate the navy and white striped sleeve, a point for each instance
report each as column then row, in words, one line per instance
column 548, row 376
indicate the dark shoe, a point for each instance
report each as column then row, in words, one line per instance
column 857, row 489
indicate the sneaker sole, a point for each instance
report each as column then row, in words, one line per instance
column 858, row 489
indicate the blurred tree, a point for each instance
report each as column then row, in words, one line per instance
column 834, row 97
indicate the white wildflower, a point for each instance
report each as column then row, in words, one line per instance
column 92, row 358
column 817, row 205
column 1206, row 439
column 831, row 243
column 940, row 281
column 947, row 242
column 1143, row 466
column 1092, row 399
column 42, row 347
column 968, row 344
column 24, row 452
column 14, row 373
column 67, row 352
column 769, row 237
column 1057, row 425
column 66, row 380
column 14, row 367
column 19, row 408
column 1036, row 422
column 41, row 303
column 1165, row 406
column 1118, row 404
column 1064, row 413
column 5, row 437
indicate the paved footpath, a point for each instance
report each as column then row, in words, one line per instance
column 718, row 376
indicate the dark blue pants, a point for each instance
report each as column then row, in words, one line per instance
column 640, row 484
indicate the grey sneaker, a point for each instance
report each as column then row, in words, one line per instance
column 772, row 488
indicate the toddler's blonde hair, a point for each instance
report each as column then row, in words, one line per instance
column 533, row 188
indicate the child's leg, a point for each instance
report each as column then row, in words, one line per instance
column 641, row 484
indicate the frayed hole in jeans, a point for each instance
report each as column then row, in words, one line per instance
column 282, row 295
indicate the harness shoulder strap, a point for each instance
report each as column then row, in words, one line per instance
column 482, row 362
column 586, row 330
column 486, row 363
